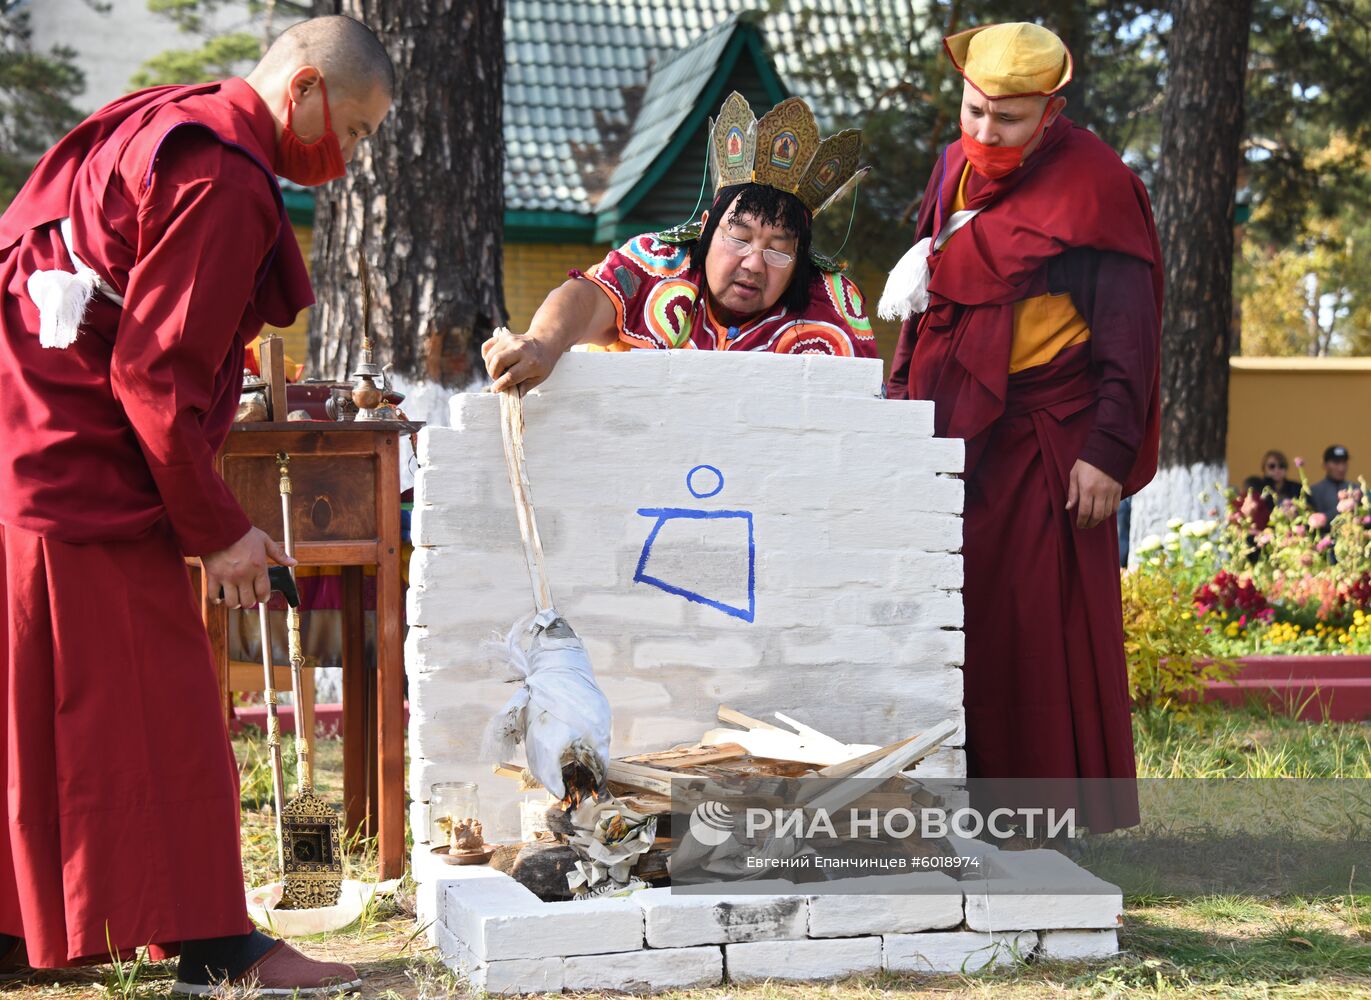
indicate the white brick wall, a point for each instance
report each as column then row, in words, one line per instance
column 857, row 530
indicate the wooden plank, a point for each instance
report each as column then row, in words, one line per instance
column 689, row 756
column 649, row 779
column 778, row 744
column 839, row 795
column 271, row 362
column 732, row 715
column 809, row 732
column 847, row 767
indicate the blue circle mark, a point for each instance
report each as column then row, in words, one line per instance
column 690, row 482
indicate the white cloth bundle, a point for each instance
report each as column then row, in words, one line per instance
column 906, row 290
column 62, row 297
column 559, row 713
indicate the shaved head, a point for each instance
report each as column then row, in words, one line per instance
column 326, row 74
column 344, row 50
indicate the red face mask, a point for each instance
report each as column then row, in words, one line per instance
column 994, row 162
column 310, row 163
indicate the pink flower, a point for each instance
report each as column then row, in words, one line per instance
column 1300, row 529
column 1307, row 559
column 1299, row 462
column 1323, row 543
column 1346, row 504
column 1318, row 520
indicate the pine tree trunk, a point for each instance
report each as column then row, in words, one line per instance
column 1197, row 173
column 423, row 200
column 1202, row 121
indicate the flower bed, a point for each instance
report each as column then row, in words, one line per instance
column 1211, row 598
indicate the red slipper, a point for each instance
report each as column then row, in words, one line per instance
column 283, row 971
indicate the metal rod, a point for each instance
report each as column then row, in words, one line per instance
column 278, row 778
column 297, row 659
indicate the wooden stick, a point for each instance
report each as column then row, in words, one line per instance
column 271, row 362
column 649, row 779
column 512, row 430
column 837, row 796
column 689, row 756
column 847, row 767
column 726, row 714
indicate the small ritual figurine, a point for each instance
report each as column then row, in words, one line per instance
column 465, row 842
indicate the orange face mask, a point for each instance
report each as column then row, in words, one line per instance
column 310, row 163
column 994, row 162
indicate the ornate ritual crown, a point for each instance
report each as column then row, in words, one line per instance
column 782, row 150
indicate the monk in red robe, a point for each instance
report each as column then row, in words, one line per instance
column 147, row 248
column 1032, row 306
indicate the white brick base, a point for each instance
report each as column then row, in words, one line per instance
column 801, row 961
column 1079, row 945
column 505, row 940
column 956, row 951
column 646, row 971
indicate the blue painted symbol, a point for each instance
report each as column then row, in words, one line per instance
column 702, row 486
column 705, row 494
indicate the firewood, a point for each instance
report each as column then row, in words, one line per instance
column 726, row 714
column 688, row 756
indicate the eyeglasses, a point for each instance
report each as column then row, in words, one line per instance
column 741, row 248
column 1273, row 466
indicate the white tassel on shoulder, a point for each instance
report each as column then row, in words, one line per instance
column 906, row 290
column 61, row 299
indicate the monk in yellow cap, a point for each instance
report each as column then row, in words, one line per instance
column 1031, row 305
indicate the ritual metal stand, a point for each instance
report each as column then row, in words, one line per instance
column 346, row 512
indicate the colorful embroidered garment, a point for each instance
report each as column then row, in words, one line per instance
column 657, row 304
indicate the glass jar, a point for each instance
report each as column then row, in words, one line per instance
column 449, row 803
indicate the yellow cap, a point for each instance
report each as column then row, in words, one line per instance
column 1011, row 60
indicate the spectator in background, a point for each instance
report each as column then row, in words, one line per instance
column 1323, row 495
column 1275, row 468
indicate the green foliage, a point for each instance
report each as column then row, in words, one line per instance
column 1168, row 654
column 36, row 91
column 225, row 46
column 220, row 56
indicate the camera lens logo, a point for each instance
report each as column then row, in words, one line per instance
column 711, row 823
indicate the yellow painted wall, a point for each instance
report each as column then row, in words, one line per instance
column 1299, row 406
column 534, row 269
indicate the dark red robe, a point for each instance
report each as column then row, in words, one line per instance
column 123, row 800
column 1046, row 691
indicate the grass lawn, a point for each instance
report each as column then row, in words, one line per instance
column 1237, row 947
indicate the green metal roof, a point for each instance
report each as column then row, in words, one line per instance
column 679, row 96
column 595, row 90
column 602, row 97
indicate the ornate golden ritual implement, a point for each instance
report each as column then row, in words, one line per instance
column 313, row 860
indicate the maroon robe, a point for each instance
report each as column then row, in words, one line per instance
column 123, row 800
column 1045, row 683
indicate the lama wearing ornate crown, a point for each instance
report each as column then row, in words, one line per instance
column 744, row 276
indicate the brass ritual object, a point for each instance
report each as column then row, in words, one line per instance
column 313, row 859
column 369, row 380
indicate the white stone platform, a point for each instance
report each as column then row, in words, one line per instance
column 746, row 529
column 506, row 941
